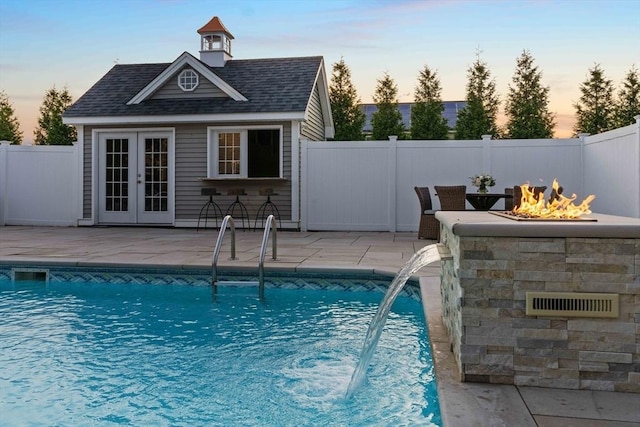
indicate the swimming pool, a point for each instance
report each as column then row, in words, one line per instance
column 142, row 347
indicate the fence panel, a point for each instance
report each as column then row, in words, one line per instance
column 612, row 171
column 429, row 163
column 40, row 185
column 347, row 186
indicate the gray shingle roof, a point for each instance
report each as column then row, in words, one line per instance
column 275, row 85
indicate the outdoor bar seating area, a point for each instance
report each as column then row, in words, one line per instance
column 214, row 210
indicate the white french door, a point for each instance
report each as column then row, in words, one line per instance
column 134, row 178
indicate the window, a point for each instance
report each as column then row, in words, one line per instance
column 229, row 153
column 212, row 42
column 188, row 80
column 245, row 153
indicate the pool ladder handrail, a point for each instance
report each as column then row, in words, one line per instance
column 216, row 252
column 270, row 225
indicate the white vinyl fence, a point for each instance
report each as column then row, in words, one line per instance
column 612, row 170
column 368, row 185
column 365, row 185
column 39, row 185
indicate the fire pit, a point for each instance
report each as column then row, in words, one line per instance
column 585, row 273
column 532, row 206
column 512, row 216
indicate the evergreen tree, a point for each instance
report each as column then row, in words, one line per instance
column 51, row 130
column 628, row 105
column 594, row 109
column 348, row 118
column 388, row 119
column 427, row 121
column 527, row 104
column 9, row 125
column 479, row 116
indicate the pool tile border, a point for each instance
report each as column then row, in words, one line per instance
column 317, row 279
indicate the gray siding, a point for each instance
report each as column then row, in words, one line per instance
column 191, row 166
column 314, row 126
column 205, row 89
column 86, row 174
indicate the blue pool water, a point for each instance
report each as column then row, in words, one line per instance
column 139, row 354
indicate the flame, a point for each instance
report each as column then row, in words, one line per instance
column 557, row 207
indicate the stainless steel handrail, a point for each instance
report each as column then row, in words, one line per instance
column 216, row 252
column 270, row 225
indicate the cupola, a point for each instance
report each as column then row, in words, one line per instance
column 215, row 43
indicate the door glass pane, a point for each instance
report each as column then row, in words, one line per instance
column 117, row 176
column 155, row 173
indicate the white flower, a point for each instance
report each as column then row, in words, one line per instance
column 483, row 180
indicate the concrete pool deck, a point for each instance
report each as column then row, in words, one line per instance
column 462, row 404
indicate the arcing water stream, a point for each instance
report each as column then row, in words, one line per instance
column 420, row 259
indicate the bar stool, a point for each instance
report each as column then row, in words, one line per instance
column 267, row 208
column 237, row 204
column 217, row 212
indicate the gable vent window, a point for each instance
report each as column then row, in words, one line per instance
column 188, row 80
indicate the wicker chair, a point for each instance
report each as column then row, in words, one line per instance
column 509, row 201
column 429, row 225
column 517, row 194
column 452, row 198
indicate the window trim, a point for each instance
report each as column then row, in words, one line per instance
column 212, row 150
column 180, row 83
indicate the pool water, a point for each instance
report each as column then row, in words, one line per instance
column 108, row 354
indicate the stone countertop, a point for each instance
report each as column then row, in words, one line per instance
column 481, row 224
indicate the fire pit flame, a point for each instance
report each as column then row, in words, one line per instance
column 557, row 207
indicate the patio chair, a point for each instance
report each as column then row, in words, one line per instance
column 452, row 197
column 429, row 225
column 508, row 202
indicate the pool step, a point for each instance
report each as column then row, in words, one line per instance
column 238, row 283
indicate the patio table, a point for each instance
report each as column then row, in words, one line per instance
column 485, row 201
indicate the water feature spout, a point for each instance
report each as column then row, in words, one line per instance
column 420, row 259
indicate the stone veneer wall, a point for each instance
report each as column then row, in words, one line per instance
column 483, row 307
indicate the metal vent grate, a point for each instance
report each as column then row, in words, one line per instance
column 572, row 304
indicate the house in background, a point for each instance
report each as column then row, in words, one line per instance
column 451, row 110
column 154, row 135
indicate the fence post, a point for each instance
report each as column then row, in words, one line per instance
column 582, row 137
column 637, row 156
column 392, row 182
column 303, row 219
column 486, row 154
column 4, row 176
column 77, row 182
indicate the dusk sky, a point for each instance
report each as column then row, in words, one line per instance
column 73, row 43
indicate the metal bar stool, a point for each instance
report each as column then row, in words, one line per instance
column 217, row 212
column 237, row 204
column 267, row 208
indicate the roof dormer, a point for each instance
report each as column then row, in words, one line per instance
column 215, row 43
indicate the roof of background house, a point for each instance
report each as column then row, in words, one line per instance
column 274, row 85
column 451, row 109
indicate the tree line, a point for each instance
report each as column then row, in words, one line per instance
column 50, row 129
column 526, row 106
